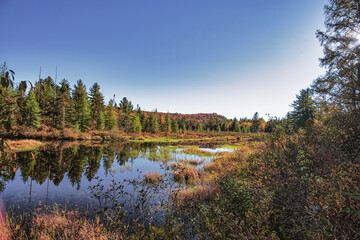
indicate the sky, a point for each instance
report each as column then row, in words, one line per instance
column 231, row 57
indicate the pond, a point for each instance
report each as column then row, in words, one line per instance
column 70, row 175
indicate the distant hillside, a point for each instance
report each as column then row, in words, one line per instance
column 197, row 117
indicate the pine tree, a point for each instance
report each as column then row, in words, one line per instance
column 110, row 116
column 218, row 129
column 126, row 107
column 154, row 125
column 144, row 122
column 183, row 127
column 100, row 122
column 236, row 127
column 136, row 125
column 125, row 118
column 64, row 111
column 199, row 127
column 304, row 109
column 44, row 90
column 174, row 125
column 9, row 107
column 81, row 106
column 341, row 82
column 167, row 124
column 31, row 111
column 96, row 101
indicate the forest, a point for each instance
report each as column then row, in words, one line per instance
column 296, row 177
column 48, row 107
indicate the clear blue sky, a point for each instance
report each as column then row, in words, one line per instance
column 232, row 57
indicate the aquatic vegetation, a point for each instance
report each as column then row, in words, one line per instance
column 123, row 206
column 153, row 177
column 200, row 193
column 163, row 154
column 197, row 151
column 195, row 162
column 187, row 174
column 51, row 223
column 23, row 145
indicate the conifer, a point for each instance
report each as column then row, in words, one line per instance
column 31, row 111
column 81, row 106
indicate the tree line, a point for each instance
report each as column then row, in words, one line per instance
column 60, row 106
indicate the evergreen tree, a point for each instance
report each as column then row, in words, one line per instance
column 218, row 129
column 9, row 106
column 255, row 123
column 236, row 126
column 81, row 106
column 64, row 110
column 100, row 122
column 167, row 123
column 174, row 125
column 96, row 101
column 243, row 129
column 125, row 119
column 183, row 127
column 7, row 102
column 31, row 111
column 126, row 106
column 44, row 90
column 199, row 127
column 161, row 123
column 154, row 125
column 110, row 116
column 341, row 82
column 136, row 125
column 304, row 109
column 144, row 122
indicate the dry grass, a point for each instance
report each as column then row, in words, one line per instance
column 197, row 151
column 198, row 194
column 195, row 162
column 174, row 166
column 51, row 224
column 189, row 174
column 153, row 177
column 5, row 232
column 181, row 164
column 69, row 133
column 66, row 226
column 22, row 145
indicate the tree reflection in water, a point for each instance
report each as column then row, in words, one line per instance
column 63, row 168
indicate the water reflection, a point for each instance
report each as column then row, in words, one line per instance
column 63, row 172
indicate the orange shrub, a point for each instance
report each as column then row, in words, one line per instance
column 153, row 178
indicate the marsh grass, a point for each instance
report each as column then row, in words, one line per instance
column 153, row 177
column 187, row 174
column 195, row 162
column 116, row 220
column 163, row 154
column 53, row 224
column 201, row 193
column 23, row 145
column 196, row 151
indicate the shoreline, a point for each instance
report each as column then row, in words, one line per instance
column 21, row 142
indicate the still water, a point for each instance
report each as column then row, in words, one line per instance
column 64, row 172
